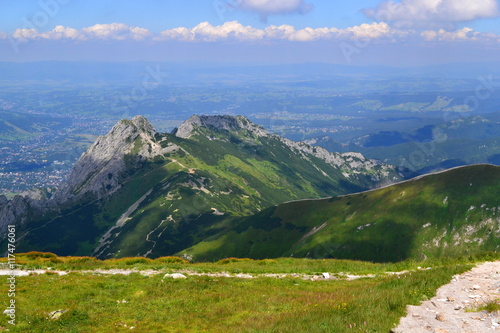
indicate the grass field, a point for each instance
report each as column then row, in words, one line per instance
column 138, row 303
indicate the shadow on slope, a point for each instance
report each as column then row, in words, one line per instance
column 447, row 214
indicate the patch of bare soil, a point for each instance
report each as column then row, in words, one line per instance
column 451, row 310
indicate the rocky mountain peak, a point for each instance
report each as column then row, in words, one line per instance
column 99, row 169
column 219, row 122
column 136, row 124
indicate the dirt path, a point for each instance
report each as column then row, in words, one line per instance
column 152, row 272
column 446, row 313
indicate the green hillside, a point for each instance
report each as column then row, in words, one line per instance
column 447, row 214
column 169, row 191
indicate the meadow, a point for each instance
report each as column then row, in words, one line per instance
column 99, row 302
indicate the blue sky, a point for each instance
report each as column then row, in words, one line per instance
column 158, row 15
column 401, row 33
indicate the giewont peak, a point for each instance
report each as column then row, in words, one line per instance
column 220, row 122
column 99, row 170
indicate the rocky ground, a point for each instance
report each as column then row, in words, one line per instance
column 451, row 310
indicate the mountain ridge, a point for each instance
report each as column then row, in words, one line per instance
column 451, row 213
column 136, row 191
column 349, row 160
column 416, row 178
column 219, row 122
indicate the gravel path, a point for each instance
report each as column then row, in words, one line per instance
column 446, row 313
column 152, row 272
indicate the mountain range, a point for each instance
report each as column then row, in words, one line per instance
column 222, row 186
column 462, row 141
column 138, row 192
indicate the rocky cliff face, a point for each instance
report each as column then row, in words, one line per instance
column 227, row 123
column 22, row 209
column 351, row 164
column 99, row 171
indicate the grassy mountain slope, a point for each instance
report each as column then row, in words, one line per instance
column 139, row 192
column 447, row 214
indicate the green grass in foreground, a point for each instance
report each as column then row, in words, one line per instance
column 114, row 303
column 153, row 304
column 41, row 260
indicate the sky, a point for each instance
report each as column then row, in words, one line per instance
column 362, row 32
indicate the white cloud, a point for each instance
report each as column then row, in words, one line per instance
column 108, row 31
column 180, row 33
column 235, row 31
column 228, row 30
column 118, row 31
column 139, row 33
column 308, row 34
column 24, row 34
column 369, row 31
column 464, row 34
column 282, row 32
column 61, row 32
column 363, row 32
column 433, row 13
column 209, row 33
column 273, row 7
